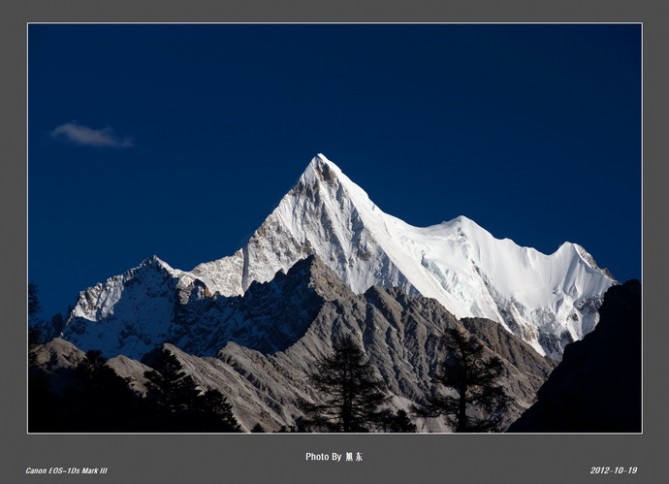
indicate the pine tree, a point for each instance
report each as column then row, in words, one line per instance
column 351, row 393
column 215, row 413
column 56, row 325
column 100, row 400
column 45, row 408
column 479, row 401
column 34, row 305
column 179, row 405
column 172, row 391
column 90, row 397
column 399, row 422
column 35, row 333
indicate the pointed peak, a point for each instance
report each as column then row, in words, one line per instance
column 155, row 261
column 324, row 180
column 590, row 260
column 320, row 156
column 320, row 168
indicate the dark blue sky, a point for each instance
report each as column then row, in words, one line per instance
column 178, row 140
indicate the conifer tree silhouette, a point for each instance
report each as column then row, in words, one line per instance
column 351, row 393
column 178, row 403
column 476, row 401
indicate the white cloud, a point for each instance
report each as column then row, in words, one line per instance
column 85, row 136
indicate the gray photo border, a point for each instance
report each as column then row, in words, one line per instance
column 280, row 458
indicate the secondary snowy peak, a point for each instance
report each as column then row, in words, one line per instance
column 128, row 313
column 155, row 275
column 150, row 305
column 547, row 300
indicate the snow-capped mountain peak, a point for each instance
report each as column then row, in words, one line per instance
column 157, row 262
column 547, row 300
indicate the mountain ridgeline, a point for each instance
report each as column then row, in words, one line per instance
column 545, row 300
column 326, row 264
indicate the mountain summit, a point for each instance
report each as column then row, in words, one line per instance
column 546, row 300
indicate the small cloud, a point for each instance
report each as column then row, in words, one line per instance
column 85, row 136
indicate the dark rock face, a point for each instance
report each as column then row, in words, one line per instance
column 270, row 317
column 597, row 386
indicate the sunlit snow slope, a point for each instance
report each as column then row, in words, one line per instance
column 547, row 300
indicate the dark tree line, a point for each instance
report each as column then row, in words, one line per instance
column 88, row 398
column 93, row 398
column 41, row 330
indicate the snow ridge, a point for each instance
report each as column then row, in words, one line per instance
column 546, row 300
